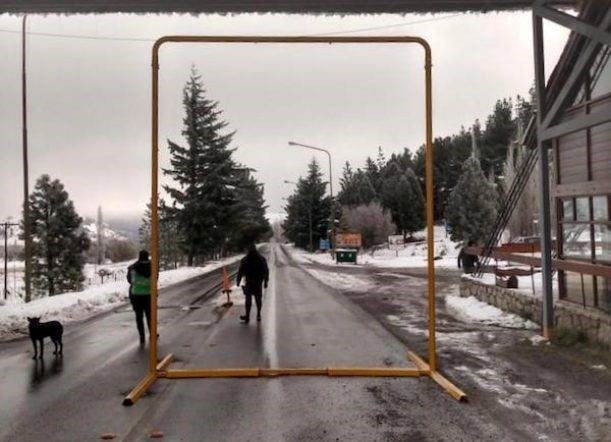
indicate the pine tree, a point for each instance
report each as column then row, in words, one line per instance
column 170, row 253
column 205, row 175
column 308, row 210
column 372, row 172
column 345, row 182
column 59, row 242
column 380, row 160
column 402, row 195
column 472, row 205
column 251, row 226
column 500, row 131
column 355, row 188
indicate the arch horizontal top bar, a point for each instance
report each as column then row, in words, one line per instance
column 287, row 39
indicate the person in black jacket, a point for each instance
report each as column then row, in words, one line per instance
column 253, row 267
column 139, row 278
column 466, row 260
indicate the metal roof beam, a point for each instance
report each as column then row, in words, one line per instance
column 574, row 23
column 572, row 83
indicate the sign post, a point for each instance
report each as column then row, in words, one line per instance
column 396, row 243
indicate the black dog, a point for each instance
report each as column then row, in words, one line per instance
column 40, row 330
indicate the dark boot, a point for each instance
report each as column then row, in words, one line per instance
column 245, row 319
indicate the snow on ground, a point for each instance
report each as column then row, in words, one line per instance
column 343, row 281
column 414, row 254
column 76, row 306
column 117, row 271
column 472, row 310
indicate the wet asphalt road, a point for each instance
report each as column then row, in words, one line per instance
column 305, row 324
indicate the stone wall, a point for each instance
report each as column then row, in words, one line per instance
column 595, row 323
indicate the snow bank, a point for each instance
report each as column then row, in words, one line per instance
column 472, row 310
column 77, row 306
column 414, row 255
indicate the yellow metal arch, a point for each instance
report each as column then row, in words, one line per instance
column 160, row 370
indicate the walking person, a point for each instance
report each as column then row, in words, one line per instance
column 466, row 260
column 253, row 267
column 139, row 278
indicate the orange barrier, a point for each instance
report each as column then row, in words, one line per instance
column 226, row 288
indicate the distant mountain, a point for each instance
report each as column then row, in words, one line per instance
column 115, row 227
column 126, row 225
column 92, row 231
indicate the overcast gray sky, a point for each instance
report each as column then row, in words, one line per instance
column 89, row 99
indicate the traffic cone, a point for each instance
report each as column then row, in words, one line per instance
column 226, row 288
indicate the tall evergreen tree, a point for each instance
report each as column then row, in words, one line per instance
column 499, row 132
column 345, row 182
column 170, row 253
column 355, row 188
column 308, row 210
column 251, row 224
column 59, row 241
column 372, row 171
column 205, row 175
column 449, row 154
column 402, row 195
column 472, row 205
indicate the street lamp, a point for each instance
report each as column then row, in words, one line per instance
column 332, row 215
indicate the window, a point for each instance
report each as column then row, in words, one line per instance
column 582, row 206
column 567, row 210
column 602, row 242
column 603, row 83
column 601, row 208
column 604, row 293
column 576, row 241
column 585, row 228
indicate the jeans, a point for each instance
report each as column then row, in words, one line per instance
column 142, row 306
column 258, row 300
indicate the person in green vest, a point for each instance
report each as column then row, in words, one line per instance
column 139, row 278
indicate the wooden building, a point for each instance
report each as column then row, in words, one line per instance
column 582, row 189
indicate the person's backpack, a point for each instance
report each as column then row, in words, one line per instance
column 141, row 285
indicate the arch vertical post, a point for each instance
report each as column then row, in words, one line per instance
column 154, row 208
column 430, row 205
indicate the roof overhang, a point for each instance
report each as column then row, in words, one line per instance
column 279, row 6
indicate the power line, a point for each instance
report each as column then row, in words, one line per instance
column 80, row 37
column 137, row 39
column 377, row 28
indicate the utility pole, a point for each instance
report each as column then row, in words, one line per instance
column 5, row 226
column 26, row 190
